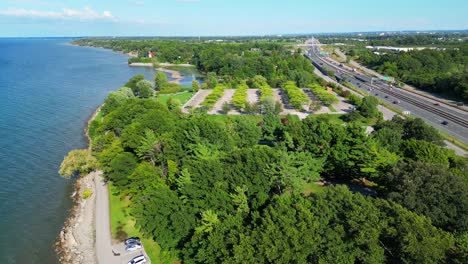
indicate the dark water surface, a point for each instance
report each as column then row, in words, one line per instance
column 48, row 89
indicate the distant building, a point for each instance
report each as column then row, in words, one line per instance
column 151, row 54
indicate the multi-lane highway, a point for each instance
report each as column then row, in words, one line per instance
column 451, row 120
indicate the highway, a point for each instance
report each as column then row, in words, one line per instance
column 448, row 119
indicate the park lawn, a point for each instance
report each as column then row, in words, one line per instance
column 182, row 97
column 120, row 216
column 331, row 118
column 311, row 187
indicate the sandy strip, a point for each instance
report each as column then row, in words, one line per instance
column 176, row 75
column 140, row 64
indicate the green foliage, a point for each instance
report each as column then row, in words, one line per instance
column 214, row 96
column 133, row 81
column 240, row 96
column 195, row 86
column 297, row 98
column 160, row 80
column 86, row 194
column 144, row 89
column 77, row 162
column 431, row 190
column 325, row 97
column 215, row 189
column 437, row 71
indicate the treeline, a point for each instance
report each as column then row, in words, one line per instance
column 406, row 39
column 213, row 190
column 228, row 61
column 439, row 71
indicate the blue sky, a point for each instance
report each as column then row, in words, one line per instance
column 26, row 18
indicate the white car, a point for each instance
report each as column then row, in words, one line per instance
column 138, row 260
column 133, row 247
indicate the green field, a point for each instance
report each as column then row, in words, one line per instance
column 182, row 97
column 123, row 225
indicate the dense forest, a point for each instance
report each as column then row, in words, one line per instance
column 231, row 62
column 264, row 188
column 439, row 71
column 232, row 189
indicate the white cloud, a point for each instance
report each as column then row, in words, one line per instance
column 138, row 3
column 86, row 13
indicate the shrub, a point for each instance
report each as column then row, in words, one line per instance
column 214, row 96
column 240, row 96
column 170, row 88
column 297, row 98
column 265, row 91
column 325, row 97
column 87, row 193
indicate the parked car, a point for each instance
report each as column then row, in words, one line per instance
column 396, row 102
column 132, row 240
column 437, row 104
column 444, row 123
column 133, row 247
column 138, row 260
column 386, row 96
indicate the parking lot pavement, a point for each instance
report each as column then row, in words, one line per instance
column 125, row 256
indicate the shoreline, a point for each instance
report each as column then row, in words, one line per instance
column 76, row 242
column 176, row 75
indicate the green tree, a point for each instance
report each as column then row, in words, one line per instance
column 121, row 167
column 431, row 190
column 144, row 89
column 160, row 80
column 78, row 161
column 195, row 86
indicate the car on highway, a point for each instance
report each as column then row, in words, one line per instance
column 133, row 247
column 386, row 96
column 396, row 102
column 437, row 104
column 444, row 123
column 138, row 260
column 131, row 240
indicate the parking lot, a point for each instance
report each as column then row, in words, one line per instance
column 125, row 256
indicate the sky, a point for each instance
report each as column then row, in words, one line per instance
column 61, row 18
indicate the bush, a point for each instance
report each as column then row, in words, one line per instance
column 240, row 96
column 170, row 88
column 214, row 96
column 297, row 98
column 87, row 193
column 265, row 91
column 325, row 97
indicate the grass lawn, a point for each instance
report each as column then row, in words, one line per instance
column 311, row 187
column 331, row 118
column 120, row 217
column 182, row 97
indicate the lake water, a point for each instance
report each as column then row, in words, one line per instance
column 48, row 89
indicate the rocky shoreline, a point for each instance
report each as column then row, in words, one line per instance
column 76, row 242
